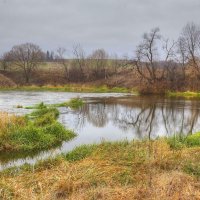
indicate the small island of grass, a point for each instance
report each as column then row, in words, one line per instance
column 36, row 131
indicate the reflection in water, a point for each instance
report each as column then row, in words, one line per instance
column 145, row 117
column 118, row 118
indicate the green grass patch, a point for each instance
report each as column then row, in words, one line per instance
column 193, row 140
column 178, row 142
column 80, row 153
column 74, row 103
column 44, row 111
column 73, row 88
column 36, row 131
column 187, row 94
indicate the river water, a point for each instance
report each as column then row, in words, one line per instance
column 106, row 117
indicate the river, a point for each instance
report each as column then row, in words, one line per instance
column 105, row 117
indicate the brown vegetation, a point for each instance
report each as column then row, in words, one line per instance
column 6, row 82
column 133, row 171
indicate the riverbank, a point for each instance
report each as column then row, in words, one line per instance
column 88, row 88
column 36, row 131
column 187, row 94
column 120, row 170
column 72, row 88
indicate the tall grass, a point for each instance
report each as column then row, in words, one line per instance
column 110, row 170
column 7, row 121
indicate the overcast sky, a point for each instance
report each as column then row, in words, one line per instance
column 116, row 25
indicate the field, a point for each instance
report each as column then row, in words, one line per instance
column 53, row 74
column 122, row 170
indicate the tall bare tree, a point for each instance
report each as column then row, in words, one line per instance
column 99, row 60
column 27, row 57
column 64, row 62
column 182, row 55
column 189, row 46
column 170, row 66
column 79, row 59
column 146, row 56
column 149, row 65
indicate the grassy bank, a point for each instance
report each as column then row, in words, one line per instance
column 121, row 170
column 73, row 103
column 89, row 88
column 71, row 88
column 186, row 94
column 36, row 131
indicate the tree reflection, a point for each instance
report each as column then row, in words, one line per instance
column 146, row 117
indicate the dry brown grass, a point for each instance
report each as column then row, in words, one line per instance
column 7, row 120
column 4, row 120
column 136, row 171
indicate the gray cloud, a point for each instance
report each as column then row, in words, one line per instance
column 116, row 25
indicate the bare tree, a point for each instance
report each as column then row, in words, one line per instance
column 190, row 45
column 116, row 63
column 149, row 65
column 64, row 62
column 99, row 60
column 145, row 55
column 171, row 67
column 6, row 61
column 182, row 55
column 27, row 57
column 79, row 59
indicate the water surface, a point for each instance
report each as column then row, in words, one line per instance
column 109, row 117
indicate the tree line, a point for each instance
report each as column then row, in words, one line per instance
column 28, row 56
column 159, row 63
